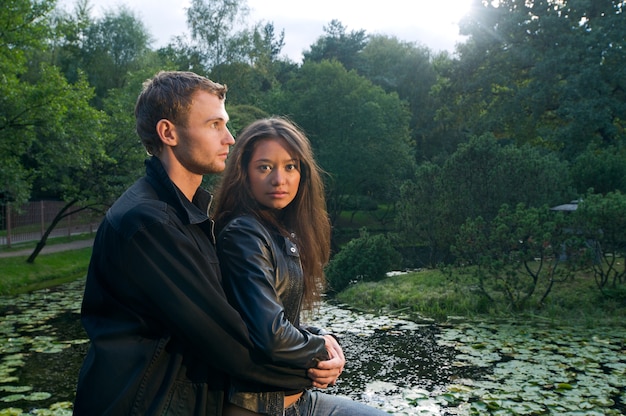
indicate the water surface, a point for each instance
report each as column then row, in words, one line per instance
column 393, row 363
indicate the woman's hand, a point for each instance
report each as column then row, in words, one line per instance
column 327, row 372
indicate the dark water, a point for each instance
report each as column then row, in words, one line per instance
column 56, row 372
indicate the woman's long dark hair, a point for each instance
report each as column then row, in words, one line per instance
column 306, row 215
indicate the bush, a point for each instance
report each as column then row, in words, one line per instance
column 364, row 258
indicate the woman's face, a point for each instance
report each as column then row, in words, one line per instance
column 274, row 174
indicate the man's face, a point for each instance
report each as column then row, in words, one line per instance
column 204, row 142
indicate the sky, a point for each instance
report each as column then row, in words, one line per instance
column 433, row 23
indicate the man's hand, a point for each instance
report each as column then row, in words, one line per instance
column 327, row 372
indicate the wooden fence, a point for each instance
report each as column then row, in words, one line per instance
column 29, row 222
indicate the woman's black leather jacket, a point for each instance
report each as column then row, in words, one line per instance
column 263, row 279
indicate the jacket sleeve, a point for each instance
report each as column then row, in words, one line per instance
column 180, row 291
column 248, row 270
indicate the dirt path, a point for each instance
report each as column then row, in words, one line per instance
column 53, row 248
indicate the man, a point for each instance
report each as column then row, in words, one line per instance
column 163, row 337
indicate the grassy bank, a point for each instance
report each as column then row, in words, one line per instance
column 425, row 294
column 18, row 276
column 431, row 294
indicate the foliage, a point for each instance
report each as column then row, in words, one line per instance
column 23, row 28
column 407, row 69
column 107, row 49
column 548, row 73
column 451, row 115
column 600, row 220
column 242, row 115
column 446, row 296
column 418, row 220
column 537, row 85
column 359, row 133
column 113, row 47
column 484, row 174
column 368, row 257
column 111, row 157
column 475, row 181
column 338, row 45
column 246, row 84
column 518, row 253
column 600, row 169
column 427, row 293
column 47, row 128
column 211, row 24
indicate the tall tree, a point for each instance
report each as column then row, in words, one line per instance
column 252, row 78
column 39, row 109
column 484, row 174
column 544, row 72
column 68, row 40
column 212, row 25
column 419, row 221
column 114, row 46
column 107, row 49
column 407, row 69
column 600, row 219
column 360, row 133
column 339, row 45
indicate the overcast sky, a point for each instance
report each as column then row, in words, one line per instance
column 433, row 23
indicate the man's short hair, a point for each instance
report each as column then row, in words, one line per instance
column 169, row 95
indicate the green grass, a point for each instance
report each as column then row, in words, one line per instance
column 18, row 276
column 431, row 294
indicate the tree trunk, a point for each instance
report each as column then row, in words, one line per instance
column 44, row 238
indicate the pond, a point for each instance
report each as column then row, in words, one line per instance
column 403, row 367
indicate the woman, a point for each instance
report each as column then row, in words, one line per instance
column 273, row 243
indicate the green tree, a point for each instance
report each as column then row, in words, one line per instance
column 212, row 35
column 600, row 219
column 360, row 134
column 114, row 46
column 267, row 45
column 338, row 45
column 406, row 69
column 107, row 49
column 418, row 220
column 39, row 109
column 547, row 73
column 600, row 169
column 67, row 42
column 111, row 157
column 517, row 254
column 484, row 174
column 448, row 127
column 474, row 182
column 242, row 115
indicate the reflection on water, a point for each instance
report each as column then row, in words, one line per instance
column 389, row 360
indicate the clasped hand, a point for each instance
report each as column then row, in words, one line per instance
column 327, row 372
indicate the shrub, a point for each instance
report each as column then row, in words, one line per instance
column 517, row 256
column 368, row 257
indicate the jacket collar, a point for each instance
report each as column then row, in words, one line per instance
column 193, row 212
